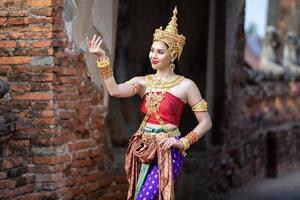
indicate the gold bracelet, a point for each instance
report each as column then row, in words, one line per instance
column 185, row 142
column 103, row 62
column 192, row 137
column 106, row 72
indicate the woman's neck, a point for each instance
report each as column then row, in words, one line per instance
column 164, row 74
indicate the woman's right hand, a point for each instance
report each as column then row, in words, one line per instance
column 94, row 46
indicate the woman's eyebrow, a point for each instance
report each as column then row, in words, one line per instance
column 158, row 49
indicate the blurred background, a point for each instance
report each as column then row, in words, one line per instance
column 63, row 137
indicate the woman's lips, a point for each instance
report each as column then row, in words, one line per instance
column 154, row 61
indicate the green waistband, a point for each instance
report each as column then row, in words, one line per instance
column 153, row 130
column 171, row 132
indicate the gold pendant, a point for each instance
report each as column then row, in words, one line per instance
column 153, row 100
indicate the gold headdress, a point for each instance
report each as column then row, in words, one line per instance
column 170, row 36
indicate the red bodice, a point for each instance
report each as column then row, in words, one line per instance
column 170, row 109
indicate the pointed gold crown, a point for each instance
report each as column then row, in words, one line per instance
column 170, row 36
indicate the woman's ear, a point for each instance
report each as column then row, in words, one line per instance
column 173, row 57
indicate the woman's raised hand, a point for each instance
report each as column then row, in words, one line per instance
column 94, row 46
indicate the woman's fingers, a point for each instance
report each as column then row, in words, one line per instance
column 94, row 38
column 96, row 42
column 100, row 42
column 168, row 143
column 162, row 141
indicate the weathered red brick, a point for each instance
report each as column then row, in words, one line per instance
column 8, row 43
column 67, row 71
column 41, row 28
column 6, row 164
column 51, row 160
column 34, row 96
column 15, row 60
column 43, row 43
column 38, row 20
column 20, row 143
column 3, row 175
column 34, row 69
column 14, row 29
column 22, row 43
column 82, row 154
column 82, row 163
column 3, row 21
column 40, row 3
column 17, row 21
column 5, row 69
column 80, row 145
column 32, row 77
column 18, row 13
column 35, row 196
column 42, row 11
column 7, row 184
column 51, row 141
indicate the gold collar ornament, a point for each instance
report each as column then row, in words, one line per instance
column 171, row 37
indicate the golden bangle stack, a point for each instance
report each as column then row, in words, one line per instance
column 189, row 139
column 103, row 62
column 185, row 143
column 202, row 106
column 104, row 66
column 106, row 72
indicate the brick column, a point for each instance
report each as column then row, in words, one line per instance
column 57, row 149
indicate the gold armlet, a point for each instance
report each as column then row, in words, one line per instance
column 202, row 106
column 103, row 62
column 134, row 85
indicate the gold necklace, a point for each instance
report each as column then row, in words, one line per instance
column 155, row 83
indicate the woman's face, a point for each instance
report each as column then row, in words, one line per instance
column 159, row 55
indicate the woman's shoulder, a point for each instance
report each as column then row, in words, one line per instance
column 136, row 79
column 188, row 83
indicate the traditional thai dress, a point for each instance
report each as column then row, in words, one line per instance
column 151, row 171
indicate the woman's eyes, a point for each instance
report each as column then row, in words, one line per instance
column 159, row 52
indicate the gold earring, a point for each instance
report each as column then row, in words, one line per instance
column 172, row 66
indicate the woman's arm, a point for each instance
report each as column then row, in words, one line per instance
column 193, row 97
column 126, row 89
column 203, row 118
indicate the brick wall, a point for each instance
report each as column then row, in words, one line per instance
column 58, row 146
column 56, row 150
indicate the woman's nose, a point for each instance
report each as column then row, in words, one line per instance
column 155, row 54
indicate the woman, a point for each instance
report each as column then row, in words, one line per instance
column 155, row 153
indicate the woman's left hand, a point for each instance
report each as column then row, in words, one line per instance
column 171, row 142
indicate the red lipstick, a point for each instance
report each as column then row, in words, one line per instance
column 154, row 61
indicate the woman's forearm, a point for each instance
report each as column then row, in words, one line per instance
column 203, row 126
column 111, row 86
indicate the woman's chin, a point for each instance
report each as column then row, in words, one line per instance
column 154, row 67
